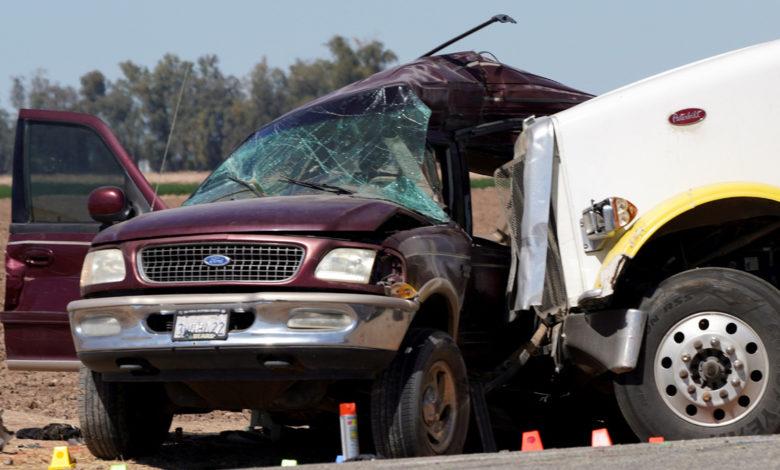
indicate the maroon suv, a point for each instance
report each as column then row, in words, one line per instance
column 330, row 257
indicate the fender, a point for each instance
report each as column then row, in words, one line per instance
column 648, row 224
column 444, row 288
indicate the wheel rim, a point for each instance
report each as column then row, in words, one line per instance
column 439, row 410
column 711, row 369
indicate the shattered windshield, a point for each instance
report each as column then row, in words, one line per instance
column 369, row 145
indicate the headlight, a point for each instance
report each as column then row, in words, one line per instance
column 100, row 326
column 347, row 265
column 318, row 319
column 102, row 266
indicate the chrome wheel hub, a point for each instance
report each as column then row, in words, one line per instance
column 711, row 368
column 439, row 406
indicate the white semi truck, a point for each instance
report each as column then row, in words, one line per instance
column 645, row 225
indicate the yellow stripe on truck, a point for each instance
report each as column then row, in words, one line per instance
column 649, row 223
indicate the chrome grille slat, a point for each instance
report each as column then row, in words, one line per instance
column 250, row 262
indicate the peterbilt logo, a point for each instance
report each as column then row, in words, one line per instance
column 687, row 116
column 216, row 260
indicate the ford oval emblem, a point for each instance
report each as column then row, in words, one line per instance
column 216, row 260
column 687, row 116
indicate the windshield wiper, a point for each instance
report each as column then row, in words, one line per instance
column 247, row 184
column 318, row 186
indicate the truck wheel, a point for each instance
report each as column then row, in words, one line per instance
column 122, row 420
column 709, row 362
column 420, row 404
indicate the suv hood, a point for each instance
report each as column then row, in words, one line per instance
column 269, row 214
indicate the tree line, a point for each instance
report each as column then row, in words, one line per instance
column 217, row 110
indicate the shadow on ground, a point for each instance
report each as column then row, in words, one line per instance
column 235, row 449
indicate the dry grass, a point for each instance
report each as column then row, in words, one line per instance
column 178, row 177
column 189, row 177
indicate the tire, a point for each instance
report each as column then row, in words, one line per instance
column 121, row 420
column 710, row 360
column 428, row 367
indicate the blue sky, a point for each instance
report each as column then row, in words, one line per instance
column 595, row 45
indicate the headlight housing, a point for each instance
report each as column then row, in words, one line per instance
column 101, row 325
column 347, row 265
column 103, row 266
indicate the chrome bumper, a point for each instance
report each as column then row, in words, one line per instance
column 378, row 323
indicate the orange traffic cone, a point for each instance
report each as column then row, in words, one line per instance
column 600, row 438
column 656, row 440
column 531, row 441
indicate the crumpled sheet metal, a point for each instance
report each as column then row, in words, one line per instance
column 372, row 143
column 465, row 89
column 525, row 185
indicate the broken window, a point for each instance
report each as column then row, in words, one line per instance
column 369, row 145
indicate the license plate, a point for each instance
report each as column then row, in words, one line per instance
column 200, row 325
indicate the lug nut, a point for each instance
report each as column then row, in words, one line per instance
column 686, row 358
column 715, row 342
column 724, row 393
column 691, row 389
column 735, row 382
column 706, row 396
column 729, row 349
column 738, row 364
column 683, row 374
column 697, row 344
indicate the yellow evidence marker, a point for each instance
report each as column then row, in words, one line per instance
column 60, row 459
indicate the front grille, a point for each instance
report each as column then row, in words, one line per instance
column 249, row 262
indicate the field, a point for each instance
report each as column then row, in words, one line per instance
column 34, row 399
column 186, row 182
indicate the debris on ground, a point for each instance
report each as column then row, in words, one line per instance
column 50, row 432
column 242, row 437
column 34, row 445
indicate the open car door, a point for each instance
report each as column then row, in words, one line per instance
column 59, row 158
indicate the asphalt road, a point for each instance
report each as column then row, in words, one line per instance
column 733, row 453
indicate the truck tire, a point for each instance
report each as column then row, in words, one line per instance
column 710, row 360
column 120, row 420
column 420, row 403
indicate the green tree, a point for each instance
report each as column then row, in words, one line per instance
column 208, row 113
column 156, row 92
column 267, row 94
column 217, row 110
column 45, row 94
column 18, row 93
column 307, row 80
column 93, row 91
column 6, row 141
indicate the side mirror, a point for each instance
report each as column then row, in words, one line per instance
column 108, row 205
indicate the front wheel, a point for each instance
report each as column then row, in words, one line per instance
column 122, row 419
column 708, row 365
column 420, row 404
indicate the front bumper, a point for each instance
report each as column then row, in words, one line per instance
column 262, row 348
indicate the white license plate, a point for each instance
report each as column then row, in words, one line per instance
column 200, row 325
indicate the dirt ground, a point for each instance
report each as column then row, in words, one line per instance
column 34, row 399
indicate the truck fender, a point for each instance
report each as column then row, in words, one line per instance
column 604, row 340
column 656, row 218
column 443, row 287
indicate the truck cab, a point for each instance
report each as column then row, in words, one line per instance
column 650, row 217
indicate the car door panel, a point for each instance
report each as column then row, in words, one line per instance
column 59, row 158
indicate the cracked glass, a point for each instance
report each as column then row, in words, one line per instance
column 370, row 145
